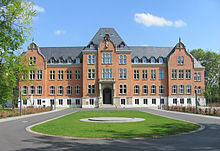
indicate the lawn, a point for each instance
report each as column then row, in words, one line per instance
column 153, row 126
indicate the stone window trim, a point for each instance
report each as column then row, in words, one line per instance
column 52, row 75
column 122, row 73
column 161, row 89
column 145, row 89
column 174, row 89
column 174, row 74
column 153, row 74
column 32, row 90
column 153, row 89
column 68, row 74
column 77, row 89
column 123, row 101
column 136, row 74
column 106, row 58
column 122, row 89
column 181, row 89
column 78, row 74
column 39, row 75
column 144, row 74
column 92, row 89
column 136, row 89
column 91, row 74
column 60, row 90
column 188, row 89
column 52, row 90
column 69, row 90
column 24, row 90
column 91, row 59
column 39, row 89
column 122, row 59
column 60, row 75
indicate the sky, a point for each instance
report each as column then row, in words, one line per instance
column 69, row 23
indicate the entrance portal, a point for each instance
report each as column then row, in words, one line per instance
column 107, row 96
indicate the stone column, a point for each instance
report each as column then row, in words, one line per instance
column 100, row 95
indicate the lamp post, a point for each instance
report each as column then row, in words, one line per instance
column 20, row 101
column 196, row 100
column 54, row 100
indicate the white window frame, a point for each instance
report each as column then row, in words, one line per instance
column 69, row 90
column 144, row 74
column 136, row 89
column 60, row 90
column 145, row 89
column 91, row 73
column 153, row 89
column 77, row 90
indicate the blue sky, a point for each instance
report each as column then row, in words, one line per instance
column 138, row 22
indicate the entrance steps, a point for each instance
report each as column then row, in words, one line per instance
column 107, row 106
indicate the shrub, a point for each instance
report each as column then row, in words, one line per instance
column 4, row 114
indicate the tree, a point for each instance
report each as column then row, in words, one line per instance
column 211, row 62
column 16, row 17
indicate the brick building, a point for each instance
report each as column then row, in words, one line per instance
column 108, row 72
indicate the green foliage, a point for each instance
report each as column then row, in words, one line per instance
column 211, row 62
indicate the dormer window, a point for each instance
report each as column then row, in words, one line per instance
column 153, row 60
column 69, row 60
column 91, row 46
column 136, row 60
column 144, row 60
column 122, row 45
column 160, row 60
column 77, row 60
column 52, row 60
column 61, row 60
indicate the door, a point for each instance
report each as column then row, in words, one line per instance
column 107, row 96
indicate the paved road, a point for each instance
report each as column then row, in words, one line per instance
column 13, row 137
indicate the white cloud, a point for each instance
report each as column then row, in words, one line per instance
column 38, row 8
column 60, row 32
column 150, row 20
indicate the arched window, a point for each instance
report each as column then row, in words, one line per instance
column 69, row 90
column 153, row 60
column 144, row 60
column 136, row 60
column 145, row 89
column 181, row 89
column 39, row 90
column 160, row 60
column 174, row 89
column 161, row 89
column 182, row 60
column 52, row 90
column 188, row 89
column 60, row 90
column 178, row 60
column 199, row 90
column 25, row 90
column 153, row 89
column 32, row 90
column 136, row 89
column 77, row 90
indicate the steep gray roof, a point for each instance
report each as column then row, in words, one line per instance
column 64, row 52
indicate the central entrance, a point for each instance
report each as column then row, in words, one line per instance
column 107, row 96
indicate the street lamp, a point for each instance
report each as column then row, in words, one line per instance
column 20, row 101
column 54, row 100
column 196, row 100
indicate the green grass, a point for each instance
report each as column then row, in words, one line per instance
column 6, row 110
column 153, row 126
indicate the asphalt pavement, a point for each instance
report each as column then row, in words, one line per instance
column 14, row 137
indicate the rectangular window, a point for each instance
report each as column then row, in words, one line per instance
column 52, row 74
column 199, row 76
column 122, row 89
column 91, row 89
column 181, row 74
column 145, row 89
column 91, row 73
column 51, row 101
column 136, row 101
column 39, row 75
column 174, row 101
column 136, row 74
column 60, row 101
column 77, row 74
column 122, row 59
column 91, row 101
column 60, row 74
column 122, row 73
column 161, row 74
column 161, row 101
column 77, row 90
column 106, row 73
column 91, row 59
column 68, row 101
column 153, row 101
column 195, row 76
column 144, row 74
column 174, row 89
column 38, row 101
column 69, row 74
column 188, row 89
column 145, row 101
column 32, row 75
column 106, row 58
column 77, row 101
column 188, row 100
column 188, row 74
column 39, row 90
column 24, row 102
column 174, row 74
column 182, row 101
column 123, row 101
column 153, row 74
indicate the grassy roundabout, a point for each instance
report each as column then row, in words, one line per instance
column 153, row 126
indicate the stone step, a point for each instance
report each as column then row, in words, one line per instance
column 107, row 106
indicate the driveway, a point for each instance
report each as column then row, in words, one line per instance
column 14, row 137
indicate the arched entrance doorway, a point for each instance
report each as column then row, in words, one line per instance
column 107, row 96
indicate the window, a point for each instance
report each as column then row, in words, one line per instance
column 122, row 59
column 188, row 89
column 106, row 58
column 25, row 90
column 61, row 60
column 52, row 74
column 136, row 74
column 60, row 90
column 106, row 73
column 153, row 89
column 24, row 75
column 68, row 101
column 39, row 90
column 181, row 89
column 69, row 60
column 152, row 60
column 161, row 74
column 182, row 60
column 178, row 60
column 52, row 60
column 174, row 89
column 145, row 89
column 145, row 101
column 161, row 101
column 32, row 90
column 160, row 60
column 195, row 76
column 60, row 101
column 136, row 89
column 77, row 60
column 91, row 89
column 52, row 90
column 144, row 60
column 91, row 101
column 123, row 101
column 188, row 74
column 39, row 75
column 77, row 90
column 154, row 101
column 77, row 101
column 181, row 74
column 144, row 74
column 32, row 75
column 69, row 90
column 24, row 102
column 182, row 101
column 136, row 101
column 122, row 73
column 199, row 76
column 91, row 59
column 161, row 89
column 69, row 74
column 174, row 74
column 32, row 60
column 199, row 90
column 196, row 91
column 188, row 100
column 38, row 101
column 153, row 74
column 174, row 101
column 136, row 60
column 77, row 74
column 60, row 74
column 91, row 73
column 122, row 89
